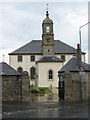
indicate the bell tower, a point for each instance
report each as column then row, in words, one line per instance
column 47, row 36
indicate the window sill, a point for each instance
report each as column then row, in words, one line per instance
column 50, row 79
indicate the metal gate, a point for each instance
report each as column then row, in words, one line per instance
column 61, row 89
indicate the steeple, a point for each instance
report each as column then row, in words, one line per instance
column 47, row 19
column 47, row 35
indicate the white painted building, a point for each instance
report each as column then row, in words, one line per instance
column 43, row 58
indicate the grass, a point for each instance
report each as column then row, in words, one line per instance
column 44, row 90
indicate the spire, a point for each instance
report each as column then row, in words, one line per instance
column 47, row 14
column 47, row 19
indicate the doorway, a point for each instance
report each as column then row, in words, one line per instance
column 61, row 89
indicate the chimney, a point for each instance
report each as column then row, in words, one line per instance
column 78, row 56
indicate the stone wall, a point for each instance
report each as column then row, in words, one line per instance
column 25, row 86
column 1, row 97
column 0, row 89
column 88, row 86
column 11, row 88
column 15, row 88
column 76, row 86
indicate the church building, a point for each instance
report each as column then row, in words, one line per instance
column 42, row 59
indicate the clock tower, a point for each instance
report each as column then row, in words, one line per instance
column 47, row 36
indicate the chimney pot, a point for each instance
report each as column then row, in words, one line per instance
column 78, row 56
column 78, row 46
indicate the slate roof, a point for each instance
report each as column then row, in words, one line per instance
column 71, row 66
column 6, row 70
column 47, row 20
column 50, row 59
column 34, row 47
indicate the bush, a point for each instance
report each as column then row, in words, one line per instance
column 45, row 90
column 31, row 88
column 39, row 90
column 34, row 91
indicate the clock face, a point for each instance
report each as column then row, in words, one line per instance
column 47, row 29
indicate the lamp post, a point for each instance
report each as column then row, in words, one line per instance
column 80, row 32
column 81, row 73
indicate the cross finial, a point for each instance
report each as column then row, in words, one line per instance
column 47, row 7
column 47, row 14
column 3, row 57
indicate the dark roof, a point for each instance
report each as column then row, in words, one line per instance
column 47, row 20
column 34, row 47
column 50, row 59
column 7, row 70
column 88, row 65
column 71, row 66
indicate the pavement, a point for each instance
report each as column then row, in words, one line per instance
column 15, row 106
column 46, row 109
column 45, row 105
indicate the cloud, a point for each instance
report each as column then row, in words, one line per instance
column 22, row 22
column 44, row 1
column 75, row 14
column 76, row 20
column 5, row 53
column 69, row 17
column 17, row 24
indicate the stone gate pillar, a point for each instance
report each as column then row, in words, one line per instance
column 25, row 86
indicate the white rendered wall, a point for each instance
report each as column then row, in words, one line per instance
column 42, row 71
column 26, row 64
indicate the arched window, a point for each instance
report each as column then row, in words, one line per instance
column 50, row 74
column 20, row 69
column 32, row 73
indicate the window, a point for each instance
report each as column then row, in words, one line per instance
column 19, row 58
column 32, row 73
column 50, row 76
column 47, row 29
column 32, row 58
column 63, row 57
column 20, row 69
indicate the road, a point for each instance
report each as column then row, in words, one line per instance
column 47, row 109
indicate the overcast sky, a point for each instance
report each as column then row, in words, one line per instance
column 21, row 22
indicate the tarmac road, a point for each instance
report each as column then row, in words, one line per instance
column 48, row 109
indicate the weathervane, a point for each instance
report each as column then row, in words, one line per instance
column 47, row 14
column 3, row 57
column 47, row 7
